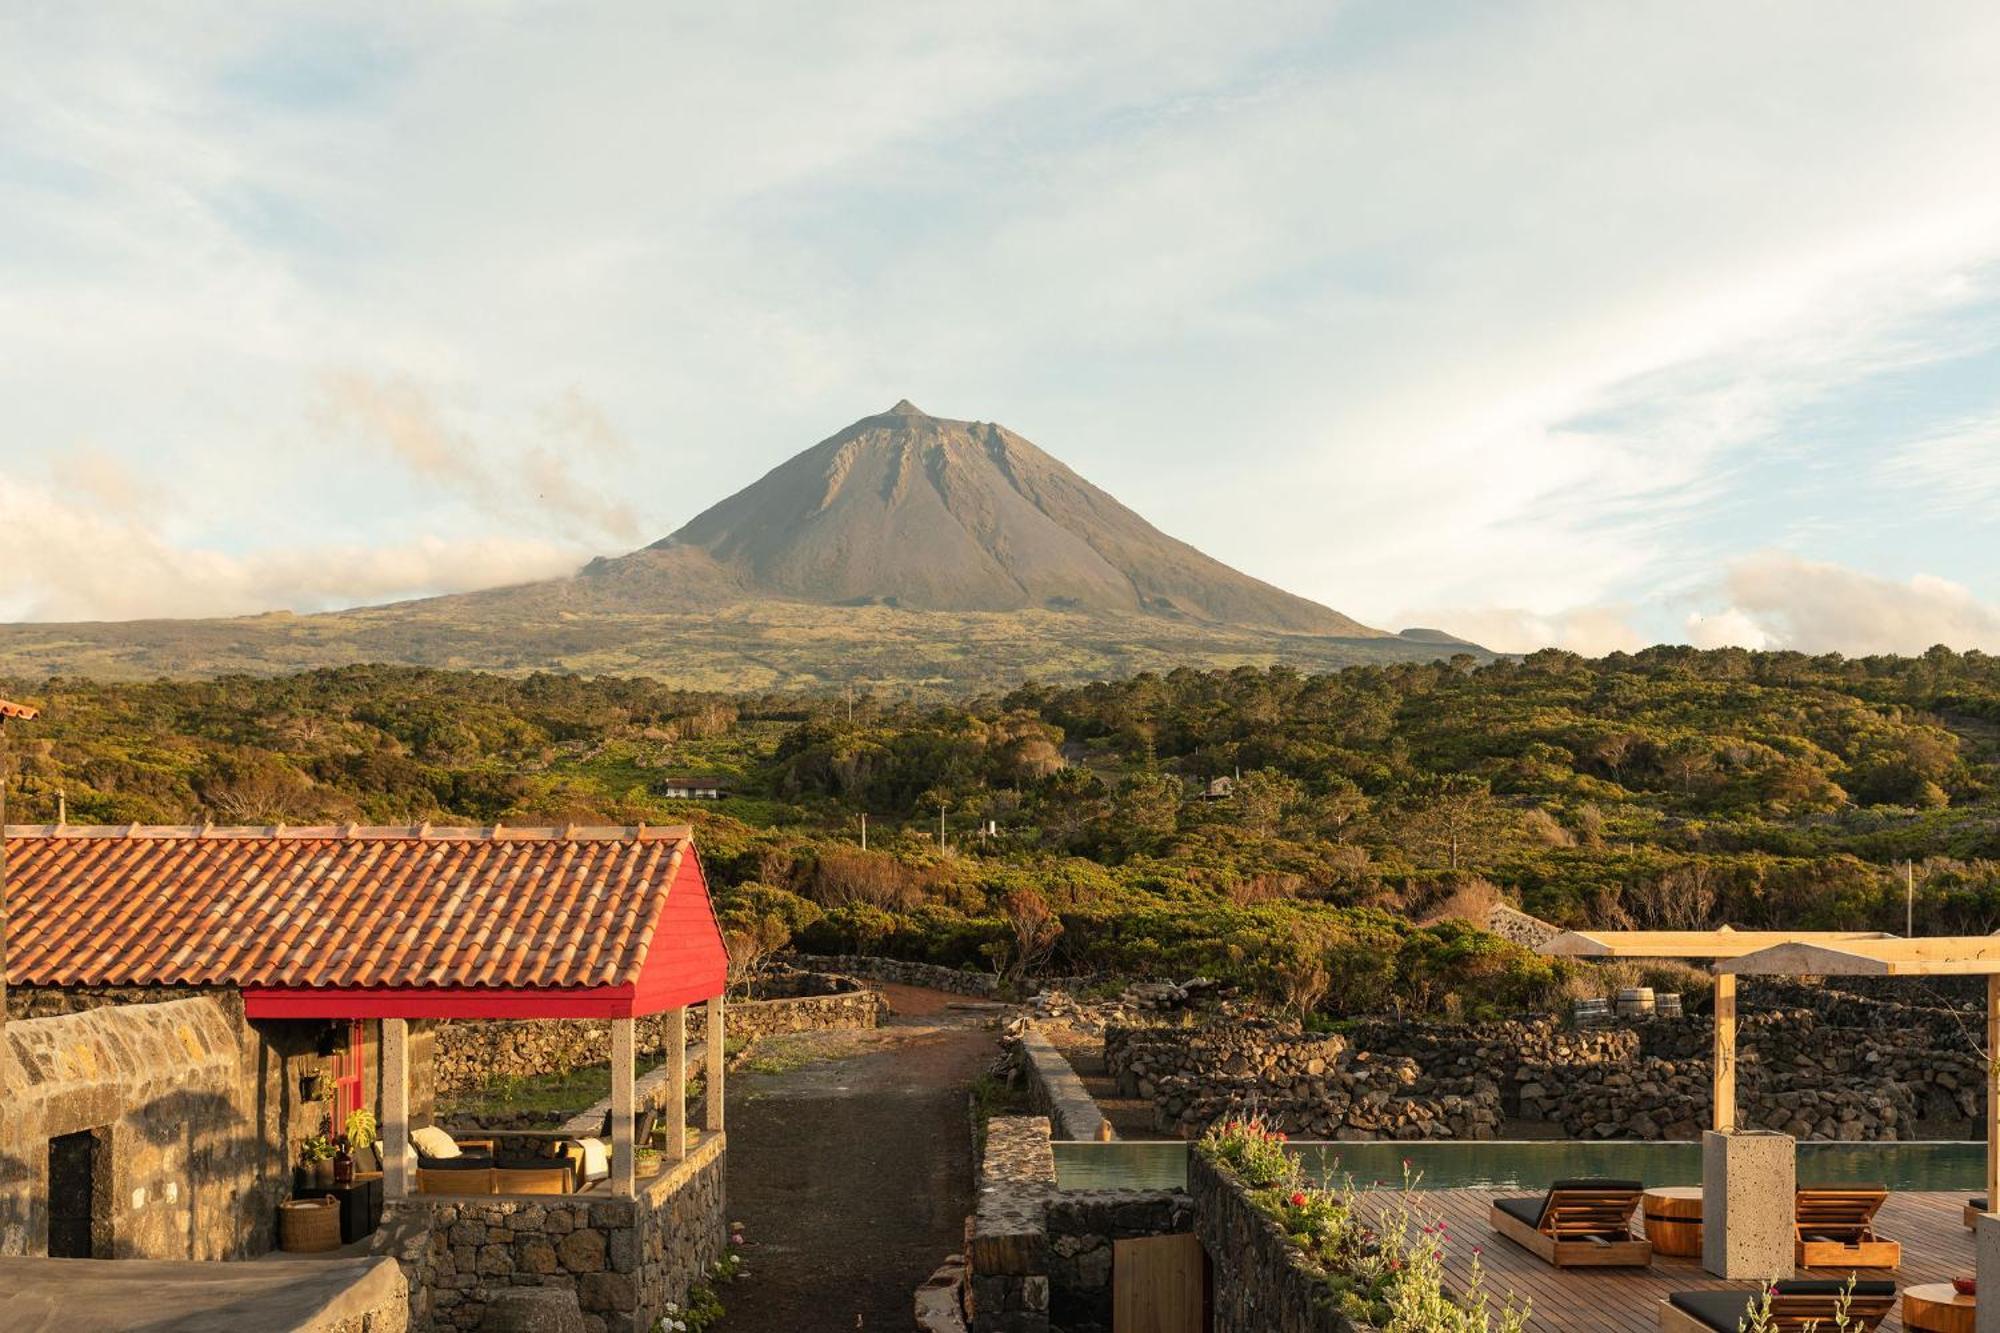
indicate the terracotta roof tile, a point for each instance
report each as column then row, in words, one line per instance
column 14, row 710
column 343, row 907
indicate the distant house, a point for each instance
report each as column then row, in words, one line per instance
column 1219, row 789
column 692, row 787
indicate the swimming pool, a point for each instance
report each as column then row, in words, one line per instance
column 1531, row 1165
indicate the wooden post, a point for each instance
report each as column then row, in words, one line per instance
column 395, row 1108
column 712, row 1118
column 624, row 1163
column 1993, row 1092
column 1725, row 1053
column 677, row 1084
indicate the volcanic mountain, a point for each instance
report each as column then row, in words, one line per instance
column 906, row 550
column 917, row 512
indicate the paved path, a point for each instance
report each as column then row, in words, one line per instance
column 853, row 1176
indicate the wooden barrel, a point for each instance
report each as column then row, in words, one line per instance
column 1673, row 1221
column 1667, row 1005
column 1635, row 1001
column 308, row 1226
column 1591, row 1012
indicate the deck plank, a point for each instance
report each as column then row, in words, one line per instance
column 1936, row 1248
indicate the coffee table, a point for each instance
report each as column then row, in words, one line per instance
column 1935, row 1307
column 1673, row 1220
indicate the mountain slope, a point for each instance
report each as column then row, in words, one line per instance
column 906, row 550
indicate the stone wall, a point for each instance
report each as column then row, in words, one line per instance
column 624, row 1259
column 1056, row 1091
column 193, row 1115
column 1007, row 1239
column 472, row 1053
column 1083, row 1228
column 1259, row 1281
column 900, row 972
column 1837, row 1067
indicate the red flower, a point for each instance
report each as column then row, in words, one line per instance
column 1298, row 1199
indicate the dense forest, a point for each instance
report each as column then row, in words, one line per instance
column 1322, row 839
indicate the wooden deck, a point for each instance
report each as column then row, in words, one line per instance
column 1936, row 1248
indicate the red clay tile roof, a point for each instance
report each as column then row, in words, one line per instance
column 21, row 711
column 347, row 907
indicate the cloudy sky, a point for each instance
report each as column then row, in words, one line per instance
column 1571, row 323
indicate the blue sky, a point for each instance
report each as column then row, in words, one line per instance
column 1563, row 323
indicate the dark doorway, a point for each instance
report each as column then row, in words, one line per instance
column 74, row 1163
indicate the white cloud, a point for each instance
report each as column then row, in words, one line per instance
column 1777, row 600
column 1951, row 470
column 67, row 561
column 1591, row 631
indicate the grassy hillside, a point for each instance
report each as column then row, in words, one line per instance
column 1666, row 789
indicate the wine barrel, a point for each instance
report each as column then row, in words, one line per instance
column 1592, row 1013
column 1667, row 1005
column 1673, row 1221
column 1635, row 1001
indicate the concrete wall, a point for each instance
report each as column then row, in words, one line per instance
column 195, row 1115
column 1056, row 1091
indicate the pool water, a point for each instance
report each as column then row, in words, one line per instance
column 1531, row 1165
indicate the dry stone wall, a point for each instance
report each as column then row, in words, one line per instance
column 472, row 1053
column 1260, row 1282
column 624, row 1259
column 1841, row 1068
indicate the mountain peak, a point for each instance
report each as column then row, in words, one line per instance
column 925, row 513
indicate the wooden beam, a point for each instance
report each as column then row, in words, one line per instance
column 1974, row 955
column 1688, row 943
column 395, row 1108
column 677, row 1087
column 1993, row 1093
column 1724, row 1091
column 624, row 1161
column 717, row 1058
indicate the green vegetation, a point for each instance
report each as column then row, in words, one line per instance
column 1374, row 812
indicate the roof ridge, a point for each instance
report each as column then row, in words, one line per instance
column 425, row 832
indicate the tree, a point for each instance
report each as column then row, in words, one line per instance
column 1147, row 809
column 1449, row 820
column 1033, row 931
column 1263, row 795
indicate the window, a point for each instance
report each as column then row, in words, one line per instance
column 350, row 1075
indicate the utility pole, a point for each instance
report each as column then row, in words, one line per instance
column 1909, row 897
column 864, row 830
column 941, row 846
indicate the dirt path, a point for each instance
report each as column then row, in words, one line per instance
column 850, row 1166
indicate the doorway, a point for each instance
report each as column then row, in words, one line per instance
column 77, row 1163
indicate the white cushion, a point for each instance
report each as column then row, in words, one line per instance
column 434, row 1142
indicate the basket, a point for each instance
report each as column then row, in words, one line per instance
column 308, row 1226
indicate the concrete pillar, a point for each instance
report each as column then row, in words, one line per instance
column 624, row 1162
column 677, row 1083
column 712, row 1118
column 1749, row 1184
column 1987, row 1238
column 1724, row 1088
column 395, row 1108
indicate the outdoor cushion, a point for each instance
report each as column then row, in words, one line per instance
column 1587, row 1183
column 1717, row 1309
column 1979, row 1203
column 1526, row 1210
column 433, row 1142
column 459, row 1163
column 1825, row 1286
column 527, row 1162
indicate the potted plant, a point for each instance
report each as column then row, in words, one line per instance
column 361, row 1133
column 316, row 1153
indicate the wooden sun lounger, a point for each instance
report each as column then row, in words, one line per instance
column 1973, row 1209
column 1797, row 1306
column 1577, row 1224
column 1836, row 1228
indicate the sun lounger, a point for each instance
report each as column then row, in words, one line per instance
column 1795, row 1305
column 1973, row 1208
column 1577, row 1224
column 1836, row 1228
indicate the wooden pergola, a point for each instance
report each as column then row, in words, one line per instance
column 1716, row 947
column 1938, row 956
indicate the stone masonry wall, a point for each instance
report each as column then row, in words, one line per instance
column 624, row 1258
column 1083, row 1227
column 193, row 1112
column 1259, row 1281
column 471, row 1053
column 1007, row 1239
column 1838, row 1068
column 901, row 972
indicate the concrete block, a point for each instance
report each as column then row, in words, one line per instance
column 1987, row 1239
column 1749, row 1183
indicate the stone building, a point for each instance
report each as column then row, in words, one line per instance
column 186, row 1005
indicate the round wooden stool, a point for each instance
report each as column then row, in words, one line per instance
column 1673, row 1220
column 1935, row 1308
